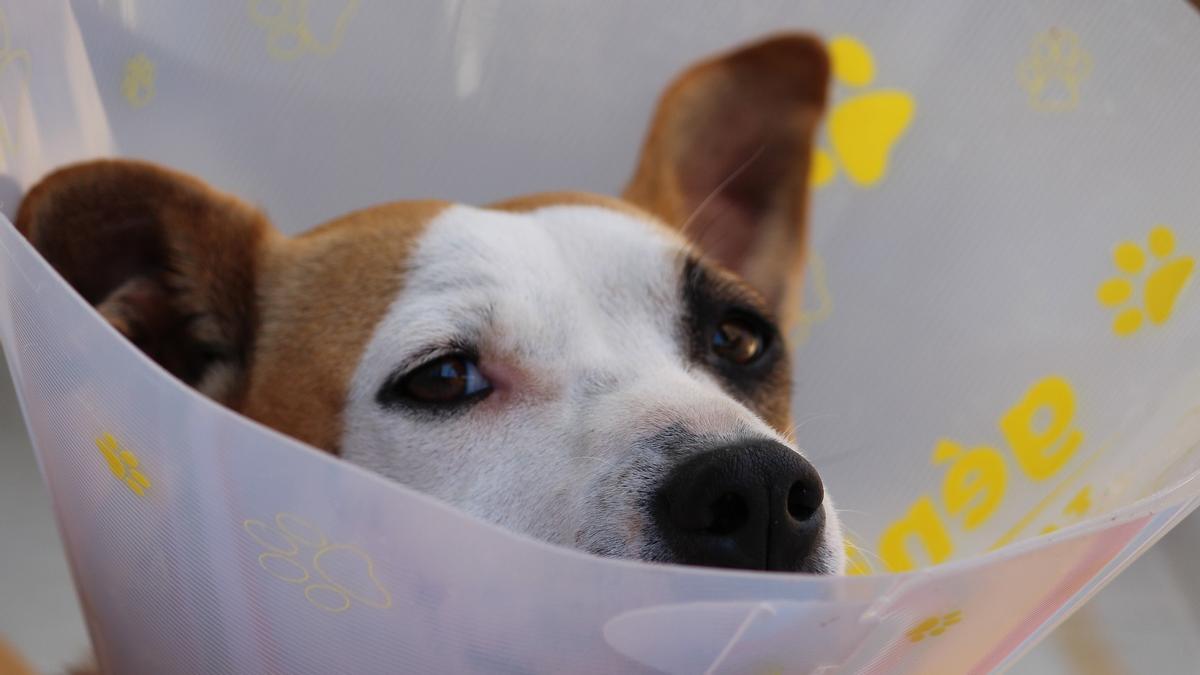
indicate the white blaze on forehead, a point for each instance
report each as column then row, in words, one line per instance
column 580, row 308
column 575, row 300
column 576, row 315
column 564, row 297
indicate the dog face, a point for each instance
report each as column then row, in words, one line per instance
column 601, row 373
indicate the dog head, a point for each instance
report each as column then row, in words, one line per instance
column 602, row 373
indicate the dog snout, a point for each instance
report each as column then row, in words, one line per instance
column 752, row 505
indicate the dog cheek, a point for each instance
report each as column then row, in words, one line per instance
column 610, row 522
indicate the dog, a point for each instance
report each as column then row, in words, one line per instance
column 603, row 373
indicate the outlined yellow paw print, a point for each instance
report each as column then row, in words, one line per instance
column 289, row 28
column 933, row 626
column 1053, row 72
column 819, row 312
column 123, row 464
column 1161, row 287
column 138, row 83
column 865, row 127
column 9, row 57
column 341, row 574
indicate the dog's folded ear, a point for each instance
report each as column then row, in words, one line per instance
column 168, row 260
column 727, row 156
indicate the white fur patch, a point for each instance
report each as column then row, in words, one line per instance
column 575, row 312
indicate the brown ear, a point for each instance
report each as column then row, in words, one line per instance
column 169, row 261
column 727, row 158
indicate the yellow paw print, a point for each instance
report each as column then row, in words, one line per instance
column 289, row 31
column 821, row 309
column 1054, row 71
column 123, row 464
column 865, row 127
column 1080, row 504
column 138, row 83
column 9, row 56
column 1160, row 289
column 341, row 574
column 1076, row 508
column 933, row 626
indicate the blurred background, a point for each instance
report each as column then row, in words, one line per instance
column 1147, row 621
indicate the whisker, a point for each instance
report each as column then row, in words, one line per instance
column 813, row 418
column 705, row 243
column 603, row 461
column 716, row 191
column 847, row 530
column 790, row 432
column 867, row 553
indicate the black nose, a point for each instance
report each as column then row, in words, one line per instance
column 752, row 506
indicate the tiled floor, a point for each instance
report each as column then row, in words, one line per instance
column 1147, row 622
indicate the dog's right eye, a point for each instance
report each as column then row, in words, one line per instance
column 445, row 381
column 740, row 339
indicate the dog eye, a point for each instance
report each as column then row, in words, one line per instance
column 739, row 340
column 449, row 379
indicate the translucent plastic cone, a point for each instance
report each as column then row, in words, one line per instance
column 996, row 365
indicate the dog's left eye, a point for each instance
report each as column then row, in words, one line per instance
column 740, row 340
column 443, row 381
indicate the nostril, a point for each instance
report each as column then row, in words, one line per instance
column 750, row 506
column 728, row 513
column 803, row 500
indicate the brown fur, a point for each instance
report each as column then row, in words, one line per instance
column 170, row 261
column 11, row 662
column 205, row 285
column 542, row 200
column 747, row 117
column 322, row 294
